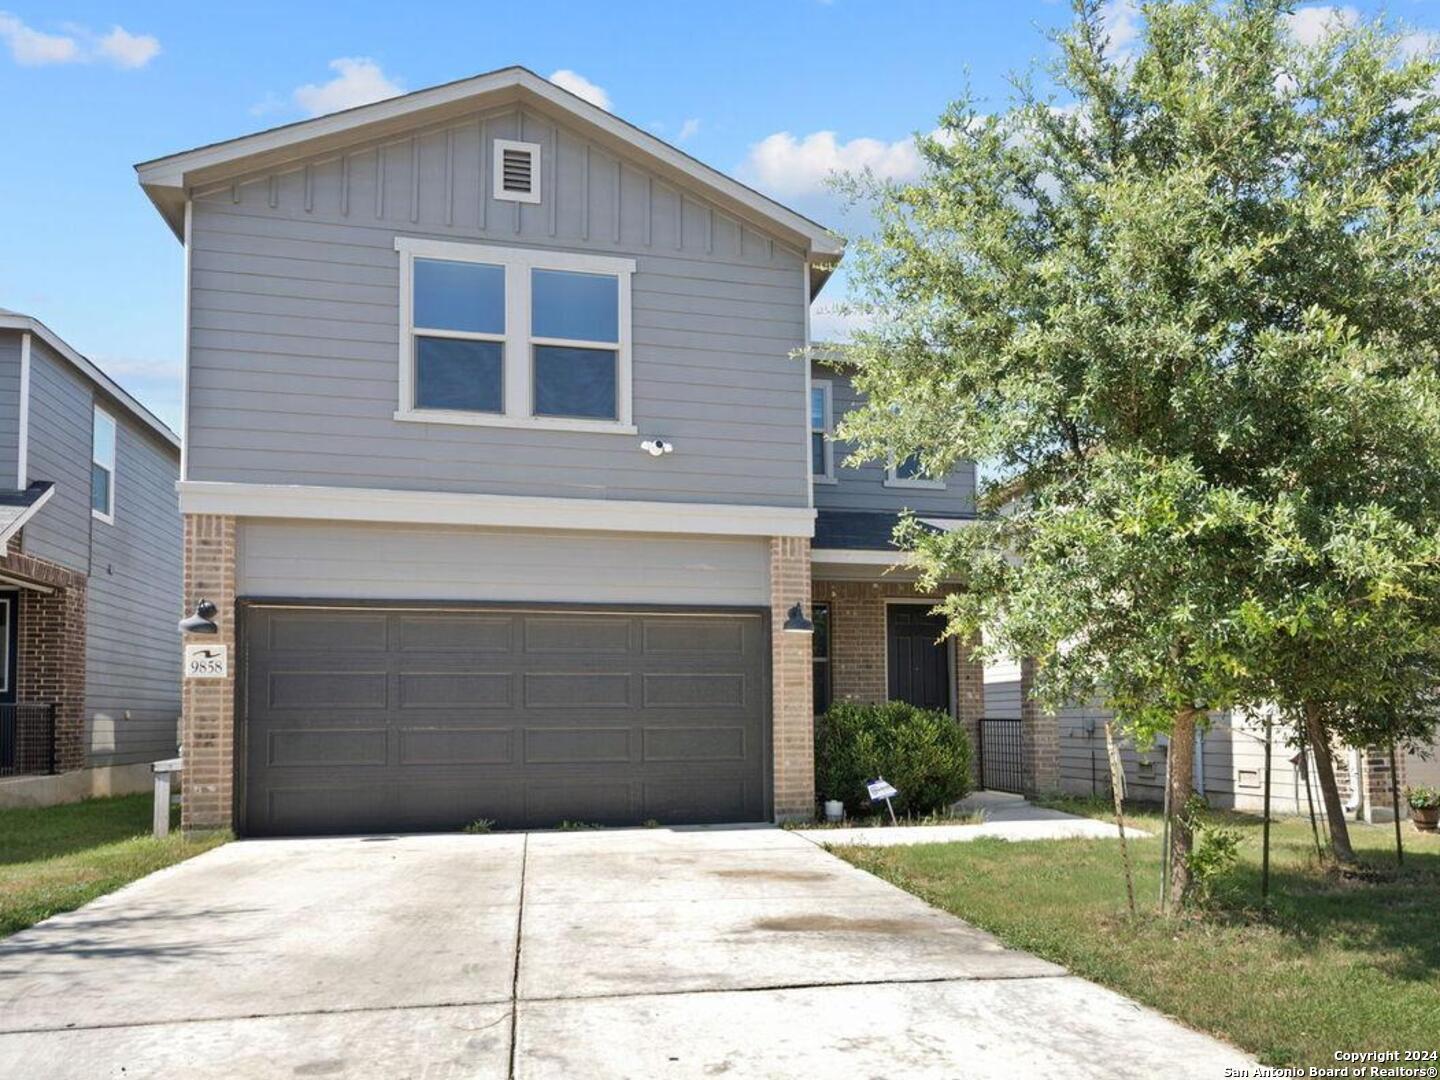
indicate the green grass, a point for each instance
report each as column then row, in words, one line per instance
column 1331, row 965
column 57, row 858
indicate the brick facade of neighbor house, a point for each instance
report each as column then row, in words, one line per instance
column 51, row 652
column 791, row 672
column 1039, row 739
column 858, row 648
column 207, row 725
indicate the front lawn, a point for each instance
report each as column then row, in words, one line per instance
column 57, row 858
column 1333, row 965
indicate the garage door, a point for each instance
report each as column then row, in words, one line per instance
column 390, row 718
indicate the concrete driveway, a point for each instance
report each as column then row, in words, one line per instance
column 644, row 953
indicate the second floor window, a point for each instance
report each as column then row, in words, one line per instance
column 102, row 466
column 514, row 336
column 822, row 449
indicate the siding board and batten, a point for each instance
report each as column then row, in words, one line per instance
column 295, row 314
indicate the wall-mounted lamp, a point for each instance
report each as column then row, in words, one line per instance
column 203, row 621
column 796, row 622
column 657, row 447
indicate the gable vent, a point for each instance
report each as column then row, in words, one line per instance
column 517, row 171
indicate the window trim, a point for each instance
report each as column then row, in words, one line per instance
column 925, row 483
column 108, row 515
column 827, row 475
column 517, row 380
column 497, row 170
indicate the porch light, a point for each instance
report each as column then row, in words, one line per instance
column 203, row 621
column 797, row 623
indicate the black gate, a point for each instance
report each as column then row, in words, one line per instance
column 27, row 739
column 1002, row 765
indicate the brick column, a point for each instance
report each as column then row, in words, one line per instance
column 970, row 699
column 1378, row 804
column 1039, row 738
column 792, row 708
column 51, row 652
column 207, row 726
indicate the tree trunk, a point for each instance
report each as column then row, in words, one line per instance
column 1182, row 785
column 1319, row 739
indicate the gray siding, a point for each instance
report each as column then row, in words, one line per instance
column 9, row 407
column 132, row 668
column 380, row 562
column 132, row 658
column 61, row 416
column 295, row 327
column 865, row 489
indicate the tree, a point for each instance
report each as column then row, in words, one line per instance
column 1116, row 295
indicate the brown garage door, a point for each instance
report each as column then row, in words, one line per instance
column 365, row 718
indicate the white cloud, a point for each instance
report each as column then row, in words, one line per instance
column 689, row 129
column 581, row 87
column 35, row 49
column 1310, row 25
column 785, row 165
column 128, row 50
column 1121, row 19
column 358, row 81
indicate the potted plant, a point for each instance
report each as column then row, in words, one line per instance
column 1424, row 807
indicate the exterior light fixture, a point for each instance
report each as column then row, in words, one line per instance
column 796, row 622
column 657, row 447
column 203, row 621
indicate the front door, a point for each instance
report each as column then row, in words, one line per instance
column 916, row 657
column 9, row 612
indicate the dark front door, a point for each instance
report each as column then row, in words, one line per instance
column 919, row 671
column 9, row 638
column 367, row 717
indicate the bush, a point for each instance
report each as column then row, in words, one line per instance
column 924, row 753
column 1422, row 798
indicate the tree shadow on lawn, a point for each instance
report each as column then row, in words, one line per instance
column 32, row 833
column 1390, row 917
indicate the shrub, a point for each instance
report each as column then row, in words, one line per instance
column 924, row 753
column 1422, row 798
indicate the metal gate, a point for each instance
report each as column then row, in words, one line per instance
column 1002, row 764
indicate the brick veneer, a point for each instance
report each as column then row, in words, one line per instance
column 51, row 653
column 1039, row 739
column 207, row 725
column 1376, row 771
column 791, row 672
column 858, row 647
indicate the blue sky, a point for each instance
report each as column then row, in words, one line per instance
column 776, row 92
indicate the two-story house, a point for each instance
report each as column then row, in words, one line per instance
column 89, row 576
column 502, row 467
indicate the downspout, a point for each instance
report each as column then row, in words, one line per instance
column 1357, row 784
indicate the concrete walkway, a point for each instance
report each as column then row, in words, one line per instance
column 1007, row 817
column 747, row 952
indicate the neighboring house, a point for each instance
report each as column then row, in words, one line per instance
column 89, row 576
column 498, row 469
column 1229, row 760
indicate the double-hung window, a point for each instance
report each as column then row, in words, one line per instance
column 514, row 336
column 102, row 466
column 822, row 449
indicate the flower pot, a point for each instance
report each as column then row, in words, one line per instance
column 1426, row 818
column 834, row 810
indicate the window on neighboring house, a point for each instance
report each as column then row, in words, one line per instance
column 910, row 473
column 820, row 655
column 822, row 449
column 514, row 336
column 102, row 466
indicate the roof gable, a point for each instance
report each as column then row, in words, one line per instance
column 169, row 180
